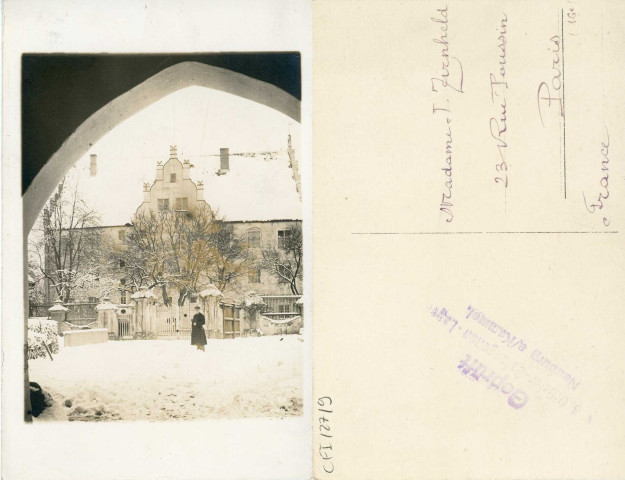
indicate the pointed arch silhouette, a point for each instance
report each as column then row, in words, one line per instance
column 167, row 81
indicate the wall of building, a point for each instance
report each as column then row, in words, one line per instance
column 173, row 182
column 268, row 284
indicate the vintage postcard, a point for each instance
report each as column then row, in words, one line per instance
column 469, row 244
column 466, row 256
column 156, row 241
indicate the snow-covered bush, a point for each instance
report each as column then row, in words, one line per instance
column 253, row 304
column 42, row 331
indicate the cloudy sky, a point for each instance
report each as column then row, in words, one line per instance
column 199, row 121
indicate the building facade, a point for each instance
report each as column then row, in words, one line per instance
column 257, row 195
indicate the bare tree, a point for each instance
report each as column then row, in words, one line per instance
column 230, row 256
column 65, row 243
column 285, row 262
column 168, row 249
column 36, row 284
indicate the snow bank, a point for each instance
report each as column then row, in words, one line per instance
column 167, row 380
column 75, row 338
column 284, row 321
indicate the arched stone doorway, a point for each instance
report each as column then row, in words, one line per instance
column 102, row 121
column 167, row 81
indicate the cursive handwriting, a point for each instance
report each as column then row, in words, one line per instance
column 544, row 92
column 604, row 193
column 446, row 203
column 498, row 86
column 446, row 60
column 441, row 107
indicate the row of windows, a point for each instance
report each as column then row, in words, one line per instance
column 253, row 238
column 181, row 203
column 253, row 235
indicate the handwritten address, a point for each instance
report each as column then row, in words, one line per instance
column 604, row 192
column 448, row 79
column 498, row 86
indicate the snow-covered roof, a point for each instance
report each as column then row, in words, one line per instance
column 257, row 187
column 57, row 308
column 210, row 291
column 106, row 306
column 143, row 294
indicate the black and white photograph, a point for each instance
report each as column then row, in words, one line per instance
column 158, row 183
column 165, row 269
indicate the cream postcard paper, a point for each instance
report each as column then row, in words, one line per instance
column 468, row 239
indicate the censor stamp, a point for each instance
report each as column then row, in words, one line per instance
column 513, row 368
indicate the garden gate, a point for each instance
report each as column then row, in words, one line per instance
column 232, row 322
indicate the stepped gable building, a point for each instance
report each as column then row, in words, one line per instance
column 173, row 188
column 257, row 193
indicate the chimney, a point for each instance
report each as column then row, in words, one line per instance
column 186, row 170
column 224, row 155
column 93, row 168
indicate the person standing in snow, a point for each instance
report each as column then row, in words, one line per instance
column 198, row 337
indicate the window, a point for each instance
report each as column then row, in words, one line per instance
column 163, row 204
column 283, row 236
column 253, row 275
column 121, row 235
column 284, row 308
column 172, row 178
column 93, row 299
column 122, row 296
column 122, row 281
column 253, row 238
column 182, row 204
column 122, row 264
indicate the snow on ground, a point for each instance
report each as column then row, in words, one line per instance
column 170, row 379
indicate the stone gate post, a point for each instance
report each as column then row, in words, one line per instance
column 58, row 313
column 107, row 316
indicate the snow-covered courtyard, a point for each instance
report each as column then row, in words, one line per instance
column 171, row 380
